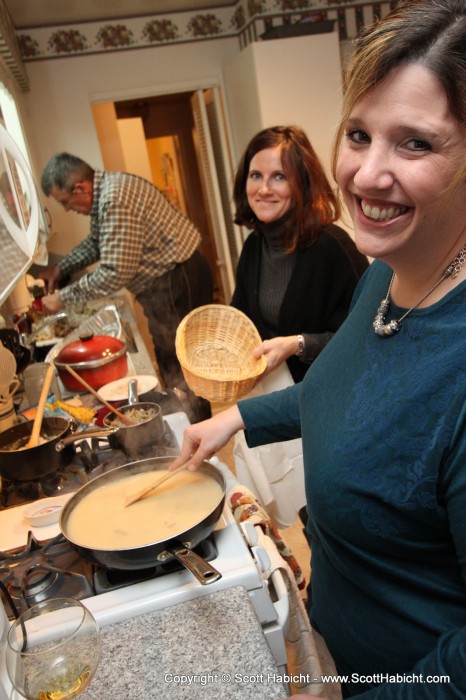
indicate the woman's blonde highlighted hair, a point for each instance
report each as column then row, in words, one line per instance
column 430, row 33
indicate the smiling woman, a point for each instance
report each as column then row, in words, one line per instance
column 392, row 165
column 268, row 189
column 382, row 416
column 295, row 279
column 282, row 193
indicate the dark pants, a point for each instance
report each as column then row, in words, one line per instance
column 165, row 304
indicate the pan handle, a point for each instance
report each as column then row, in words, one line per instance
column 99, row 432
column 201, row 569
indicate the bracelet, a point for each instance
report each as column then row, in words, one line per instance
column 301, row 345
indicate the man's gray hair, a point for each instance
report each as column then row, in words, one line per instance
column 63, row 171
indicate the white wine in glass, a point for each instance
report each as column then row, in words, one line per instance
column 53, row 650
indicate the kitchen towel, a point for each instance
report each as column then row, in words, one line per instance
column 245, row 506
column 308, row 656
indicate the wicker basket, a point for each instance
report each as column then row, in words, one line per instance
column 214, row 345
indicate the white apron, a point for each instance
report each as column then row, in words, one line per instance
column 274, row 473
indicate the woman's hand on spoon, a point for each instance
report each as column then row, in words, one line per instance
column 202, row 440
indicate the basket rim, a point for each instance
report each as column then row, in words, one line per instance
column 222, row 307
column 181, row 337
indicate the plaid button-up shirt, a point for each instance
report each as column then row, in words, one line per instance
column 135, row 235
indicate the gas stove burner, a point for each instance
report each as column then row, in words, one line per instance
column 43, row 581
column 50, row 484
column 14, row 493
column 39, row 571
column 55, row 547
column 91, row 459
column 112, row 579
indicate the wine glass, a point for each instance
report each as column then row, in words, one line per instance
column 53, row 650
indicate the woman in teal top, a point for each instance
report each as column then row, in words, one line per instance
column 382, row 411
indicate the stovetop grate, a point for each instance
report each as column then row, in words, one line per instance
column 89, row 461
column 53, row 568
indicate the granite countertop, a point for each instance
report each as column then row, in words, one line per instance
column 210, row 647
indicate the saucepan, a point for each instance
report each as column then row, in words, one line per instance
column 130, row 438
column 149, row 555
column 43, row 459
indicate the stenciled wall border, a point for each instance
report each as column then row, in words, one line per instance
column 178, row 27
column 247, row 19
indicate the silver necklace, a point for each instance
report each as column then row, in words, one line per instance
column 384, row 330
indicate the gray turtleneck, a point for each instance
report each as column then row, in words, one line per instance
column 276, row 269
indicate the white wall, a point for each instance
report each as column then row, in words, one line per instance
column 294, row 81
column 286, row 81
column 58, row 113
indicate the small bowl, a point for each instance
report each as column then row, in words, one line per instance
column 44, row 512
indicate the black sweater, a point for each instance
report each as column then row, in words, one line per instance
column 318, row 295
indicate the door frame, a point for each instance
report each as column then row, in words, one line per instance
column 221, row 245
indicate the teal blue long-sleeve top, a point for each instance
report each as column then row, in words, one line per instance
column 383, row 424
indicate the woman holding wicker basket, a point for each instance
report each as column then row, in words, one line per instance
column 296, row 275
column 297, row 271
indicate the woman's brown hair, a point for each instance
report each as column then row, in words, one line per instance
column 314, row 203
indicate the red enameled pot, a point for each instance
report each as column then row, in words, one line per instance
column 98, row 359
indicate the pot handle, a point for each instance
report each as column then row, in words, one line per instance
column 133, row 391
column 69, row 439
column 201, row 569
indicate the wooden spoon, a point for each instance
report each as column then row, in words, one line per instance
column 35, row 433
column 124, row 419
column 137, row 496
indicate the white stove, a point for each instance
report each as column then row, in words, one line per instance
column 243, row 558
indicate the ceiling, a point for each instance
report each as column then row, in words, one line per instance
column 46, row 13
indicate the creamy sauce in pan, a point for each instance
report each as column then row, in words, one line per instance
column 101, row 520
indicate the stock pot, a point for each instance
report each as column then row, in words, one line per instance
column 98, row 359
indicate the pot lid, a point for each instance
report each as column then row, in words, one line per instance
column 91, row 348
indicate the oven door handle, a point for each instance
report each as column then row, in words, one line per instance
column 274, row 573
column 282, row 604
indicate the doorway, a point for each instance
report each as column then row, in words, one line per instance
column 172, row 141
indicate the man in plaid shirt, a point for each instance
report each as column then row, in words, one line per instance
column 140, row 241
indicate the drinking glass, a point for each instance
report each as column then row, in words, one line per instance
column 53, row 650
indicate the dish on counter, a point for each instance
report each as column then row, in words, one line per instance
column 46, row 511
column 118, row 389
column 54, row 328
column 106, row 321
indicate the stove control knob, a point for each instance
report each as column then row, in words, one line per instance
column 262, row 558
column 249, row 532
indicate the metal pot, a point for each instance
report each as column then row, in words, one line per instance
column 130, row 438
column 147, row 556
column 98, row 359
column 39, row 461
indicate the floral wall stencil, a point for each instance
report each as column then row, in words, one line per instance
column 160, row 30
column 180, row 27
column 114, row 35
column 28, row 46
column 67, row 41
column 204, row 25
